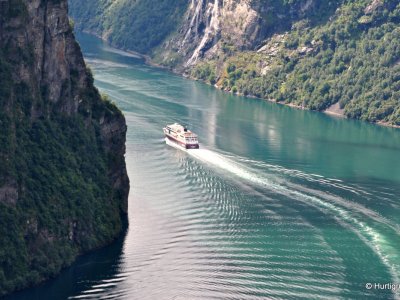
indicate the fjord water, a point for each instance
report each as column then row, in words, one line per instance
column 277, row 204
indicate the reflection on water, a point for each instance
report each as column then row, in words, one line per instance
column 277, row 203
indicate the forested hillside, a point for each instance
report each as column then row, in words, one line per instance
column 312, row 54
column 353, row 59
column 63, row 180
column 129, row 24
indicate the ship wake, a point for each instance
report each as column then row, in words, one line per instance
column 367, row 224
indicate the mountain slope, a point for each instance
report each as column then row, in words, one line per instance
column 352, row 59
column 63, row 180
column 307, row 53
column 129, row 24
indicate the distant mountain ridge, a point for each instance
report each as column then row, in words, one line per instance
column 342, row 55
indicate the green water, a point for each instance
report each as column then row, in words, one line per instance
column 277, row 204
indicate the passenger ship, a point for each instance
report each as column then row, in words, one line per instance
column 181, row 136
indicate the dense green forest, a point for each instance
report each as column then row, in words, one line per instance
column 57, row 197
column 65, row 204
column 129, row 24
column 353, row 59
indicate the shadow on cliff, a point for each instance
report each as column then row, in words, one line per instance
column 86, row 271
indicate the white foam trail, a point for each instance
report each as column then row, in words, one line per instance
column 377, row 242
column 337, row 183
column 225, row 164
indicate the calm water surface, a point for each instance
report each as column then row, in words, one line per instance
column 277, row 204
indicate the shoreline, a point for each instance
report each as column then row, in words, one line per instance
column 147, row 60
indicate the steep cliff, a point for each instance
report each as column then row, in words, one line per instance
column 311, row 54
column 212, row 26
column 63, row 180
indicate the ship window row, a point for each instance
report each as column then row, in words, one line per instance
column 191, row 139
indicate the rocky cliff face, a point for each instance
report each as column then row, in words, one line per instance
column 209, row 23
column 63, row 179
column 41, row 30
column 209, row 26
column 191, row 30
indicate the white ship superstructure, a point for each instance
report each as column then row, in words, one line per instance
column 181, row 136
